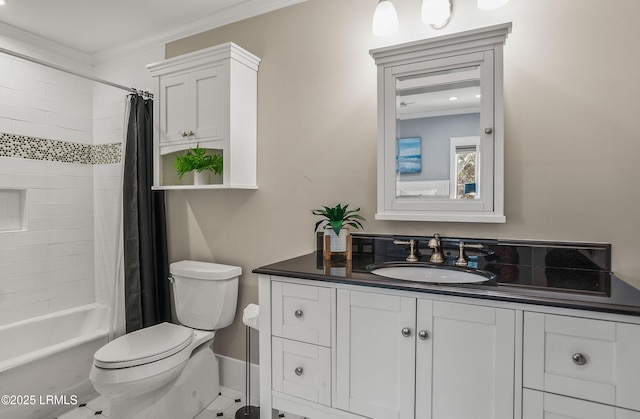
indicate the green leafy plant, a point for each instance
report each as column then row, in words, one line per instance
column 338, row 216
column 197, row 159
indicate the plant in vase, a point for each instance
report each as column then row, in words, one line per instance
column 335, row 221
column 196, row 160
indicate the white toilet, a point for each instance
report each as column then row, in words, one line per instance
column 168, row 370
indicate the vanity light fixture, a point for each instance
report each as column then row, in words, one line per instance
column 436, row 13
column 385, row 19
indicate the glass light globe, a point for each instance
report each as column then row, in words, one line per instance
column 385, row 19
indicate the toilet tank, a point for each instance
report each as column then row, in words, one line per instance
column 205, row 294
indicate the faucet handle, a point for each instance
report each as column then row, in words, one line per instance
column 463, row 260
column 412, row 252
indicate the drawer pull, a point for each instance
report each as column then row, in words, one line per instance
column 298, row 314
column 423, row 334
column 406, row 332
column 299, row 371
column 579, row 359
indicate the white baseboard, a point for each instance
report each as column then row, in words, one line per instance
column 232, row 375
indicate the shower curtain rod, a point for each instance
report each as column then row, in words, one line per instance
column 75, row 73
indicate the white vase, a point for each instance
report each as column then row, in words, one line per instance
column 337, row 243
column 201, row 178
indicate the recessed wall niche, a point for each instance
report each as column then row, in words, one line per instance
column 13, row 210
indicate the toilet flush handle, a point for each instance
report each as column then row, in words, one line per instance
column 170, row 278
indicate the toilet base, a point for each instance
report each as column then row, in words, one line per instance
column 184, row 397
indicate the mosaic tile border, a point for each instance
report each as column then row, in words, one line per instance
column 35, row 148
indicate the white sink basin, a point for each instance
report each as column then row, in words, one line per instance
column 440, row 275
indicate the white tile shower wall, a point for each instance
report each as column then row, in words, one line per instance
column 48, row 267
column 41, row 102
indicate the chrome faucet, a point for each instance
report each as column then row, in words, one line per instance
column 436, row 256
column 412, row 248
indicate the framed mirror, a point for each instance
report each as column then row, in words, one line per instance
column 440, row 128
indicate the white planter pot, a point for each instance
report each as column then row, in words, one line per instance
column 201, row 178
column 337, row 243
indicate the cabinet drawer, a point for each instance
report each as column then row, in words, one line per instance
column 302, row 312
column 589, row 359
column 539, row 405
column 302, row 370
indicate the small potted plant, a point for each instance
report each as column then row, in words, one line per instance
column 196, row 160
column 335, row 221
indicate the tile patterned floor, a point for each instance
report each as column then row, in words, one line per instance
column 224, row 406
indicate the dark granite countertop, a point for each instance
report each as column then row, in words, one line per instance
column 618, row 297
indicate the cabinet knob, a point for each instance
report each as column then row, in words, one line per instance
column 299, row 371
column 190, row 133
column 423, row 334
column 488, row 130
column 406, row 332
column 579, row 359
column 298, row 313
column 184, row 134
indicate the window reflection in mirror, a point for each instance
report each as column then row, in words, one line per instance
column 438, row 134
column 465, row 167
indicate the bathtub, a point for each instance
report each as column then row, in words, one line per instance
column 45, row 361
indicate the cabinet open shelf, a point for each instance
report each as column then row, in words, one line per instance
column 219, row 186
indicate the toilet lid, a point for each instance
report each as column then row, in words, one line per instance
column 143, row 346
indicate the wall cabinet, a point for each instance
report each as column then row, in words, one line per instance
column 207, row 98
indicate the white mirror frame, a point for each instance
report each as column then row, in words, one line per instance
column 482, row 46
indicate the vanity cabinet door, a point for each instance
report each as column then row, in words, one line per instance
column 399, row 357
column 539, row 405
column 464, row 361
column 375, row 354
column 589, row 359
column 302, row 312
column 302, row 370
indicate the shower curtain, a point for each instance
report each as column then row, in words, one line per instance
column 145, row 262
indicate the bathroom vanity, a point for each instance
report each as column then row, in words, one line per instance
column 337, row 341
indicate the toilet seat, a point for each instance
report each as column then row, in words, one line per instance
column 144, row 346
